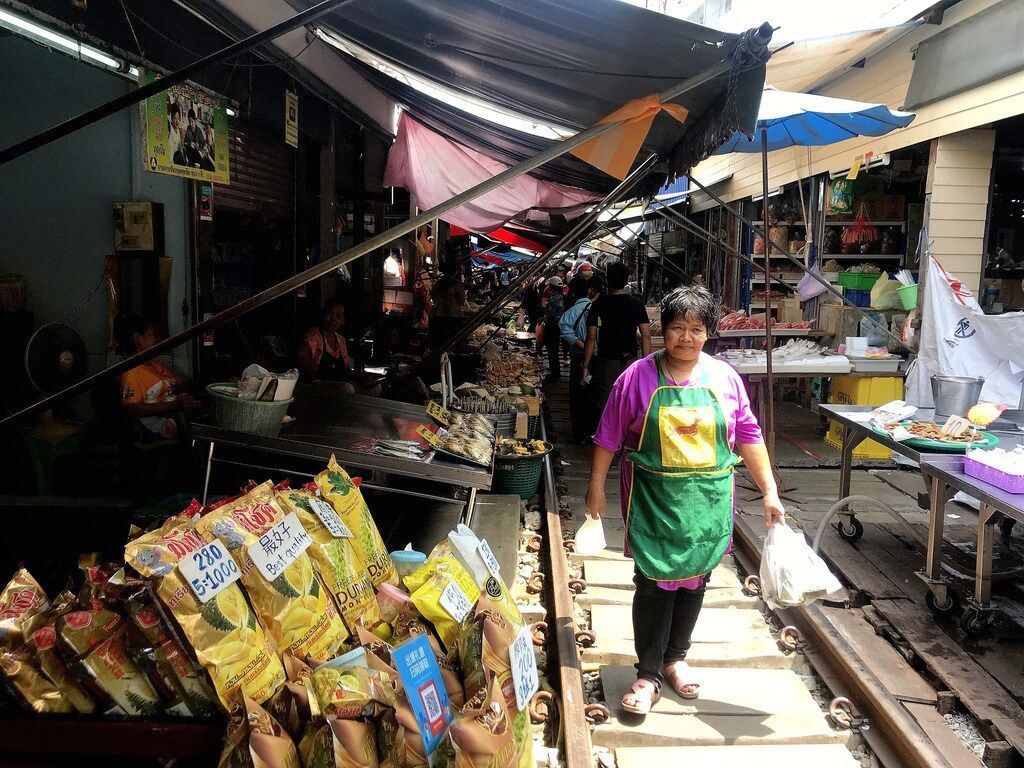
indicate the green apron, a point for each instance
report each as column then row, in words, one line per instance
column 679, row 516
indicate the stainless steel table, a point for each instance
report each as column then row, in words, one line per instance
column 329, row 423
column 944, row 477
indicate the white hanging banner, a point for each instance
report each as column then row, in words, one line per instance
column 959, row 339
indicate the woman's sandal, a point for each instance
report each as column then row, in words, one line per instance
column 674, row 674
column 641, row 697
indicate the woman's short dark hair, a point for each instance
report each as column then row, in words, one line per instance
column 331, row 304
column 125, row 328
column 690, row 299
column 618, row 276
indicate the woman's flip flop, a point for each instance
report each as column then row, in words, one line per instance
column 641, row 697
column 674, row 673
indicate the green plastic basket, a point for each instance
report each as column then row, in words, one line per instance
column 257, row 417
column 518, row 474
column 858, row 281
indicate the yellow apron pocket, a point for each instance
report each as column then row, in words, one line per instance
column 688, row 436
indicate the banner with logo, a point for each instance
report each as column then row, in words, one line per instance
column 959, row 339
column 184, row 133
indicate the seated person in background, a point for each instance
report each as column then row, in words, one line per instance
column 323, row 353
column 150, row 392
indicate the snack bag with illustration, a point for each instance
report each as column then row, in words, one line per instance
column 97, row 640
column 335, row 485
column 335, row 558
column 444, row 593
column 347, row 688
column 482, row 734
column 476, row 557
column 21, row 600
column 399, row 741
column 223, row 632
column 484, row 644
column 294, row 605
column 255, row 739
column 41, row 631
column 354, row 743
column 157, row 644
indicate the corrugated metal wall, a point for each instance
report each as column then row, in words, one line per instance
column 262, row 175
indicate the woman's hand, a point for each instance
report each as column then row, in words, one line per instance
column 595, row 502
column 774, row 512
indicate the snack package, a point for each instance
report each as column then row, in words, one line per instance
column 444, row 593
column 354, row 743
column 98, row 641
column 484, row 644
column 295, row 606
column 223, row 632
column 334, row 558
column 337, row 487
column 350, row 690
column 41, row 632
column 399, row 741
column 256, row 740
column 482, row 734
column 167, row 656
column 476, row 557
column 21, row 600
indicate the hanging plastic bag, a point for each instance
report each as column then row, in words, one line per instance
column 808, row 288
column 590, row 537
column 884, row 293
column 791, row 572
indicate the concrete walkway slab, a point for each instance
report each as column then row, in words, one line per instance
column 761, row 756
column 713, row 598
column 761, row 653
column 618, row 572
column 714, row 625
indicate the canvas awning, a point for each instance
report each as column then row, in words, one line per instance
column 561, row 62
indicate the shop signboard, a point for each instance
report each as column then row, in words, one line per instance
column 291, row 118
column 185, row 133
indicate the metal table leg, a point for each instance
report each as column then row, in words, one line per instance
column 983, row 563
column 940, row 598
column 850, row 528
column 209, row 468
column 467, row 515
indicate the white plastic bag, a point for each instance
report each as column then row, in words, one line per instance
column 590, row 537
column 791, row 573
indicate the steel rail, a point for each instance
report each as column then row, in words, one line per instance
column 839, row 664
column 573, row 699
column 368, row 246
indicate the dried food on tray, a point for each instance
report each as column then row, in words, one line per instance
column 510, row 446
column 473, row 449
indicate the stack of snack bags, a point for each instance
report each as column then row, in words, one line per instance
column 283, row 609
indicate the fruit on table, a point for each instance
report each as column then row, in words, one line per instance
column 983, row 414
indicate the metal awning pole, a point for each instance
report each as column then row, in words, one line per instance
column 115, row 105
column 367, row 246
column 578, row 230
column 769, row 384
column 800, row 265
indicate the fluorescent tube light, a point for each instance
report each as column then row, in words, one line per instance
column 39, row 33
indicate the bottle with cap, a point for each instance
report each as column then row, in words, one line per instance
column 407, row 560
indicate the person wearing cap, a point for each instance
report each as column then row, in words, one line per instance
column 552, row 337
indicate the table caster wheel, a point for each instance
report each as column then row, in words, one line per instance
column 851, row 532
column 947, row 608
column 973, row 622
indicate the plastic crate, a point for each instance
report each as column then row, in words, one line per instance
column 992, row 476
column 856, row 390
column 858, row 298
column 858, row 281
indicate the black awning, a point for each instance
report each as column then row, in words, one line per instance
column 976, row 51
column 563, row 62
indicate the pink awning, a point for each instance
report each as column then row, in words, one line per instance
column 436, row 169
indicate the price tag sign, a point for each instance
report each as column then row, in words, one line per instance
column 438, row 414
column 454, row 600
column 524, row 668
column 428, row 434
column 330, row 519
column 209, row 570
column 489, row 559
column 279, row 547
column 421, row 678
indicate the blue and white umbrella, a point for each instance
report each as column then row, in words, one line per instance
column 806, row 120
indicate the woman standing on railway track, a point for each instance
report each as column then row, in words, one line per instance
column 679, row 415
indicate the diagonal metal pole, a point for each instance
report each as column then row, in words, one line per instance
column 115, row 105
column 367, row 246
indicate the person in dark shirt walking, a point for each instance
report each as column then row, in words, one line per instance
column 552, row 337
column 618, row 333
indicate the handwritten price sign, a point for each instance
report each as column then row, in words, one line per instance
column 330, row 519
column 524, row 668
column 209, row 570
column 489, row 559
column 438, row 413
column 428, row 434
column 454, row 600
column 279, row 547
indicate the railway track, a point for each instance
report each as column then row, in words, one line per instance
column 797, row 689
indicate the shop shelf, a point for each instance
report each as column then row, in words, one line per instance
column 862, row 256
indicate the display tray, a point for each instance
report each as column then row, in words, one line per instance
column 742, row 333
column 463, row 459
column 988, row 440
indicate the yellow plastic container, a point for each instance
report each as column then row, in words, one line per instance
column 857, row 390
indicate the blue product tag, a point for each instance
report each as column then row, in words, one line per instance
column 424, row 688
